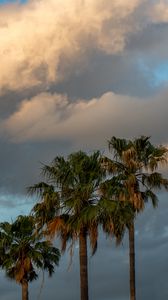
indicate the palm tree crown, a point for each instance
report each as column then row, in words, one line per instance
column 23, row 252
column 134, row 179
column 133, row 167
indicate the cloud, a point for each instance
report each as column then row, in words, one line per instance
column 160, row 11
column 72, row 67
column 46, row 116
column 53, row 116
column 41, row 39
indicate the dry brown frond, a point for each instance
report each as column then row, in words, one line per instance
column 19, row 272
column 129, row 154
column 56, row 226
column 109, row 226
column 137, row 201
column 27, row 264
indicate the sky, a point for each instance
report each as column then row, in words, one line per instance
column 73, row 74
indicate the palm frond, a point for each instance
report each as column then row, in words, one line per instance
column 24, row 252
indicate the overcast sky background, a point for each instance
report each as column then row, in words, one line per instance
column 73, row 74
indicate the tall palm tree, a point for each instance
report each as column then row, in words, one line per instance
column 72, row 186
column 134, row 179
column 72, row 206
column 23, row 253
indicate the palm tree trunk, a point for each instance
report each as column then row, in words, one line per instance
column 83, row 264
column 25, row 290
column 132, row 262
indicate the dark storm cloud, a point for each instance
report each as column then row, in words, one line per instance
column 150, row 40
column 118, row 73
column 10, row 100
column 149, row 47
column 21, row 163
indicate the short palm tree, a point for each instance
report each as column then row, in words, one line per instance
column 133, row 179
column 23, row 252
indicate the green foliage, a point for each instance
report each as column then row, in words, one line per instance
column 78, row 182
column 75, row 181
column 23, row 252
column 132, row 171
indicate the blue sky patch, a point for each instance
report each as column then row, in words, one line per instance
column 161, row 73
column 12, row 1
column 156, row 75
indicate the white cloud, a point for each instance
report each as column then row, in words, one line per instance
column 36, row 39
column 51, row 117
column 159, row 12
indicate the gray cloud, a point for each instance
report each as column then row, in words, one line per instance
column 72, row 75
column 21, row 163
column 109, row 73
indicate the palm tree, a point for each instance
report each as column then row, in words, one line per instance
column 22, row 252
column 71, row 188
column 72, row 206
column 134, row 179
